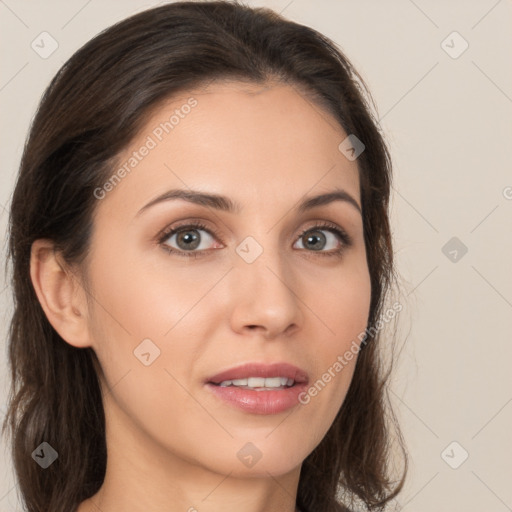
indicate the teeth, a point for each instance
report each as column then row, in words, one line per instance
column 259, row 382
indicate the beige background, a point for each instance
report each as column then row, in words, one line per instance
column 448, row 123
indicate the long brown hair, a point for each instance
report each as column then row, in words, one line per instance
column 92, row 109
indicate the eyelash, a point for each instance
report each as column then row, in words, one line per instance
column 327, row 226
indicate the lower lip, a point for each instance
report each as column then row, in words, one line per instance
column 259, row 402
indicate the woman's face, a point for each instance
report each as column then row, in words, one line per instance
column 247, row 286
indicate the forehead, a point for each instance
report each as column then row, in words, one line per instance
column 252, row 142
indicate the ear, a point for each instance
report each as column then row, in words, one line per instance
column 60, row 294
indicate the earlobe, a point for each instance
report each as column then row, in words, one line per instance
column 60, row 294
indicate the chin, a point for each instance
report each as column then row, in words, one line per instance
column 263, row 469
column 259, row 459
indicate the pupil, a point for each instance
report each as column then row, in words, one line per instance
column 191, row 240
column 311, row 237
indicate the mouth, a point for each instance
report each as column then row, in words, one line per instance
column 260, row 388
column 260, row 376
column 258, row 383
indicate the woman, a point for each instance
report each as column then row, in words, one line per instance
column 201, row 252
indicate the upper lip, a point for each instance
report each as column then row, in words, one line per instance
column 261, row 370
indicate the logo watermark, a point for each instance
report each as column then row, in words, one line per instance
column 348, row 355
column 151, row 142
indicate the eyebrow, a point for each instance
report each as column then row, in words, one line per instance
column 223, row 203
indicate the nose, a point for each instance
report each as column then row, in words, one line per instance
column 265, row 296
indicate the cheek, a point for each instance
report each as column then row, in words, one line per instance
column 341, row 302
column 138, row 299
column 144, row 313
column 342, row 306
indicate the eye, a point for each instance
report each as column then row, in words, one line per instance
column 190, row 243
column 313, row 238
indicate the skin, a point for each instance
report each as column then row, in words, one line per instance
column 172, row 445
